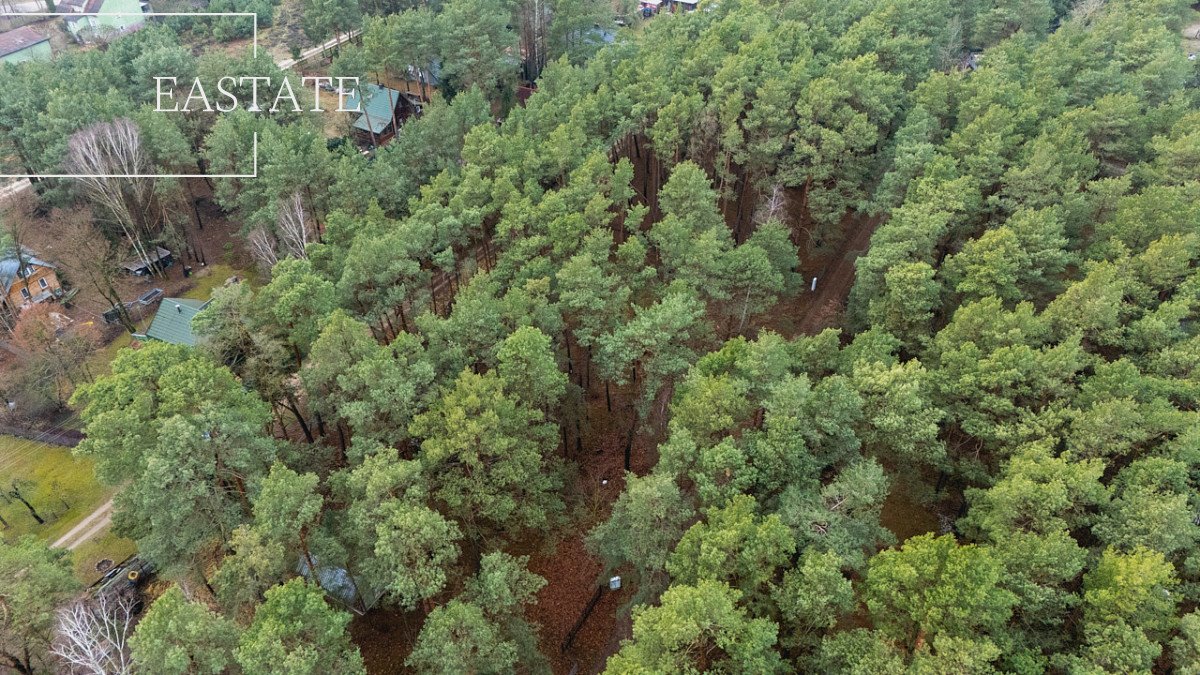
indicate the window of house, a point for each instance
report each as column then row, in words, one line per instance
column 42, row 283
column 25, row 293
column 22, row 271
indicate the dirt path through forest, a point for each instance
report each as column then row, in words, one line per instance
column 835, row 279
column 572, row 572
column 94, row 524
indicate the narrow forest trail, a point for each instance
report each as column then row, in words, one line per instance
column 94, row 524
column 571, row 571
column 808, row 312
column 836, row 278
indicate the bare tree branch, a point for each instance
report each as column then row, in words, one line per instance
column 117, row 174
column 773, row 207
column 263, row 247
column 293, row 226
column 93, row 635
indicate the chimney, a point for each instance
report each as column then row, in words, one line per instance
column 178, row 308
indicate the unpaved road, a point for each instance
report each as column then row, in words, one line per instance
column 97, row 522
column 309, row 53
column 14, row 188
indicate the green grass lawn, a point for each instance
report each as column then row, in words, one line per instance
column 217, row 274
column 63, row 490
column 103, row 546
column 204, row 286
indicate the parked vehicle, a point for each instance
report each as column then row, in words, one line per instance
column 126, row 578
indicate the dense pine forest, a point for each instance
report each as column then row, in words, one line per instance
column 854, row 337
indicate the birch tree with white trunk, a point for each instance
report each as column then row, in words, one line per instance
column 116, row 173
column 93, row 635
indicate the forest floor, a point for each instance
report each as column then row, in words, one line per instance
column 63, row 490
column 1191, row 34
column 835, row 276
column 572, row 573
column 385, row 637
column 809, row 312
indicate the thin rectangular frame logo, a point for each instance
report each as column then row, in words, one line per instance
column 65, row 15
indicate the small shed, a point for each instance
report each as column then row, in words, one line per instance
column 374, row 126
column 140, row 268
column 24, row 44
column 338, row 583
column 173, row 321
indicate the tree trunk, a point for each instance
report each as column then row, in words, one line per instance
column 25, row 667
column 570, row 361
column 312, row 567
column 204, row 580
column 403, row 319
column 629, row 443
column 33, row 512
column 294, row 406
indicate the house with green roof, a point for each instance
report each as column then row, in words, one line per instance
column 104, row 20
column 382, row 108
column 173, row 321
column 24, row 44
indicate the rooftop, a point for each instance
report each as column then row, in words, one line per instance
column 15, row 40
column 78, row 7
column 173, row 321
column 8, row 266
column 159, row 253
column 377, row 108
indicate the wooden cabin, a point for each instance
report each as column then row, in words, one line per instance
column 382, row 112
column 26, row 280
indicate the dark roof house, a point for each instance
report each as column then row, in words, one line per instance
column 14, row 43
column 141, row 267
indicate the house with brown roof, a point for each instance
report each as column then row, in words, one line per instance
column 24, row 44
